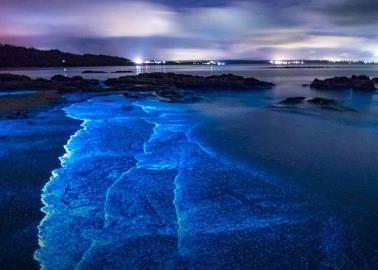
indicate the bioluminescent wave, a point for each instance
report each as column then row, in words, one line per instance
column 136, row 191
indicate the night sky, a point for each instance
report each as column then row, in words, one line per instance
column 207, row 29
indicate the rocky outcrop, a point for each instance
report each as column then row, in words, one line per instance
column 11, row 82
column 181, row 81
column 359, row 83
column 292, row 100
column 319, row 102
column 167, row 82
column 375, row 80
column 6, row 77
column 322, row 101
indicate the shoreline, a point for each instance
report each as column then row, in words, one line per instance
column 28, row 154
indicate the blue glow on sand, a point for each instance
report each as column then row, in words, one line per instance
column 136, row 191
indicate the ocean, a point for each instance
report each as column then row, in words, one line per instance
column 237, row 180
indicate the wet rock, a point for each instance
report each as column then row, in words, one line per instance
column 177, row 96
column 59, row 78
column 322, row 101
column 360, row 83
column 329, row 104
column 181, row 81
column 375, row 80
column 292, row 100
column 6, row 77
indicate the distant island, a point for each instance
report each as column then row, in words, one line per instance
column 14, row 56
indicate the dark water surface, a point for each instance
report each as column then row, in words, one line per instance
column 236, row 181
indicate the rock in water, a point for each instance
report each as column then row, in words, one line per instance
column 6, row 77
column 292, row 100
column 322, row 101
column 360, row 83
column 181, row 81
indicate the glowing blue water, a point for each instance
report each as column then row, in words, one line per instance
column 137, row 191
column 15, row 93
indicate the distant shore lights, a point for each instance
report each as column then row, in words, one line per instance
column 138, row 61
column 286, row 62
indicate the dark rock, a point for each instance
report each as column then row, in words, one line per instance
column 77, row 79
column 94, row 71
column 292, row 100
column 361, row 83
column 322, row 101
column 375, row 80
column 41, row 80
column 181, row 81
column 6, row 77
column 330, row 104
column 60, row 78
column 76, row 83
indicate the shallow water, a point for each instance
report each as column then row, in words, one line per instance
column 146, row 184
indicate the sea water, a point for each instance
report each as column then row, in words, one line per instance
column 235, row 181
column 231, row 182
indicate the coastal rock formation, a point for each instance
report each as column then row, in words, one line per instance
column 360, row 83
column 375, row 80
column 292, row 100
column 320, row 102
column 181, row 81
column 11, row 82
column 169, row 82
column 6, row 77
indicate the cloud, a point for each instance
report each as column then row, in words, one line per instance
column 352, row 12
column 98, row 19
column 175, row 29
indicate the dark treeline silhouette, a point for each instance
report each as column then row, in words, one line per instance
column 14, row 56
